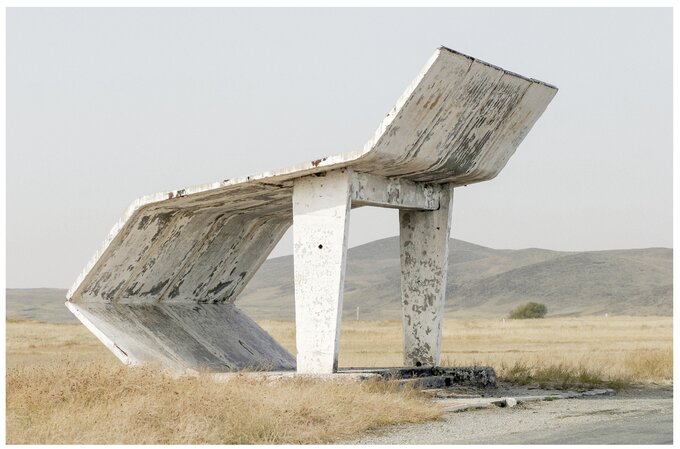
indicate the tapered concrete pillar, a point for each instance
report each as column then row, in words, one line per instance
column 321, row 208
column 424, row 242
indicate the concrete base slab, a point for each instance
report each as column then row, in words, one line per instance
column 422, row 378
column 436, row 377
column 277, row 375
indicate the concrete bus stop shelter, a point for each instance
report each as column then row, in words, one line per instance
column 163, row 285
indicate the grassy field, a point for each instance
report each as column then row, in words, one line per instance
column 63, row 386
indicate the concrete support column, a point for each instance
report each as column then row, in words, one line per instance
column 321, row 206
column 424, row 242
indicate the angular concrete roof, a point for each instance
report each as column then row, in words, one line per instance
column 458, row 122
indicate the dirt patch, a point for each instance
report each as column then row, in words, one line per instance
column 639, row 415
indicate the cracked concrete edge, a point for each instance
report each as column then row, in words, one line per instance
column 276, row 375
column 478, row 403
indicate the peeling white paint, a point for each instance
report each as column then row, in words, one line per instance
column 113, row 347
column 396, row 193
column 321, row 208
column 196, row 248
column 424, row 246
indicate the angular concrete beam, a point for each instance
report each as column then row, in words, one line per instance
column 321, row 208
column 397, row 193
column 424, row 243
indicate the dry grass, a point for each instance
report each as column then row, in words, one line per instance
column 640, row 348
column 561, row 376
column 95, row 403
column 63, row 386
column 636, row 349
column 653, row 364
column 37, row 343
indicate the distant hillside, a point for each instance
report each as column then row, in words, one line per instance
column 482, row 283
column 43, row 304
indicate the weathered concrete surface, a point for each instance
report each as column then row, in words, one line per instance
column 396, row 193
column 185, row 337
column 434, row 380
column 321, row 208
column 424, row 241
column 477, row 376
column 434, row 377
column 457, row 123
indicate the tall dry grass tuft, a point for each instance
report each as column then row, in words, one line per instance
column 655, row 365
column 560, row 376
column 96, row 403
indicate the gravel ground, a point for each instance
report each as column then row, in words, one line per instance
column 635, row 416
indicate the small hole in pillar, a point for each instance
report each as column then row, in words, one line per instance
column 320, row 246
column 419, row 364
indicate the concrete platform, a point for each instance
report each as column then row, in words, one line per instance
column 420, row 377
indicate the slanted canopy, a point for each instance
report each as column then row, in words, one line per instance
column 162, row 286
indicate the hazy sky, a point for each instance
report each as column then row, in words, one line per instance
column 106, row 105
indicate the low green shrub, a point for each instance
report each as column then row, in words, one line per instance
column 528, row 310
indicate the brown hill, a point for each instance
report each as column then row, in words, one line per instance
column 485, row 282
column 482, row 283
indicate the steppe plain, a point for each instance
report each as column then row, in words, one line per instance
column 609, row 324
